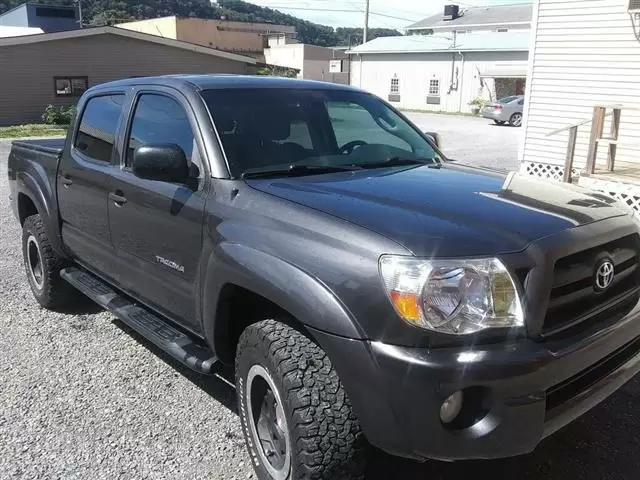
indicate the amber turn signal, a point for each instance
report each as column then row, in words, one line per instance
column 406, row 304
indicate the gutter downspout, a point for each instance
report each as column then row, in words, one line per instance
column 461, row 82
column 360, row 72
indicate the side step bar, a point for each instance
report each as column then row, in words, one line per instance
column 193, row 353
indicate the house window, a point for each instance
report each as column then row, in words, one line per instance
column 434, row 87
column 395, row 85
column 394, row 90
column 502, row 30
column 70, row 86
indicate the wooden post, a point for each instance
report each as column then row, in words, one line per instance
column 614, row 131
column 597, row 126
column 571, row 149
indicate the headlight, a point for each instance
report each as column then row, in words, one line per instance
column 452, row 296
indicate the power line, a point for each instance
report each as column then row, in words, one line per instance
column 313, row 9
column 391, row 16
column 341, row 10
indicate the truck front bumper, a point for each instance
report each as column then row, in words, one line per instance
column 516, row 394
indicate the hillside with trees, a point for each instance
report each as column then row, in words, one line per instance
column 109, row 12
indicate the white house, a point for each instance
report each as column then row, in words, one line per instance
column 441, row 72
column 461, row 20
column 584, row 55
column 8, row 31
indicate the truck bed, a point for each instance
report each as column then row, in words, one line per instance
column 52, row 146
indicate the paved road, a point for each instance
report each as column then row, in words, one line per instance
column 83, row 397
column 473, row 140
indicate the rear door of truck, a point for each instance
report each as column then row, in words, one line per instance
column 84, row 180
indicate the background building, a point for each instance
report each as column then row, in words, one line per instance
column 461, row 20
column 439, row 72
column 240, row 37
column 313, row 62
column 583, row 56
column 18, row 31
column 56, row 68
column 49, row 18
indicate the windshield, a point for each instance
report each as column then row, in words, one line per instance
column 272, row 129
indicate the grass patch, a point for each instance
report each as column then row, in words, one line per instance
column 33, row 130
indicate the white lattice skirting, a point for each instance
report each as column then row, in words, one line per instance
column 628, row 193
column 625, row 192
column 545, row 170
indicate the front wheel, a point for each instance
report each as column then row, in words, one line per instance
column 296, row 417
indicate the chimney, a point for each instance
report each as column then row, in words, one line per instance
column 451, row 12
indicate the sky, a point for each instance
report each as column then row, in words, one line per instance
column 350, row 13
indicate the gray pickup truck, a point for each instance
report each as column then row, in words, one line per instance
column 363, row 287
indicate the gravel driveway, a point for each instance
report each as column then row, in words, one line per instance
column 82, row 397
column 473, row 140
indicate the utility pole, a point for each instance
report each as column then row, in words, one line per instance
column 366, row 22
column 80, row 13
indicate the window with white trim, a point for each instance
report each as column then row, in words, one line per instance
column 434, row 87
column 395, row 85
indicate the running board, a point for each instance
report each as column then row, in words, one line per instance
column 193, row 353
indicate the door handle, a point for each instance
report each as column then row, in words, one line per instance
column 66, row 181
column 119, row 200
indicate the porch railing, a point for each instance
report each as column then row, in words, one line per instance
column 597, row 121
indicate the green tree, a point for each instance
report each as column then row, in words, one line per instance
column 109, row 12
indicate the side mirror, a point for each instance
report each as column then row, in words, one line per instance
column 162, row 162
column 437, row 139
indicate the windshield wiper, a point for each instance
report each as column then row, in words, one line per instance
column 399, row 162
column 296, row 170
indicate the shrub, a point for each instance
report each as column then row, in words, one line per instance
column 58, row 114
column 478, row 102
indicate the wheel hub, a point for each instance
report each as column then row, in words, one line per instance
column 267, row 423
column 34, row 262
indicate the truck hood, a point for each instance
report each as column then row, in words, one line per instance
column 448, row 211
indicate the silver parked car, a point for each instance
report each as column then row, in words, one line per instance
column 507, row 109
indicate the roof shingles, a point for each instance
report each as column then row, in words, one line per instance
column 489, row 41
column 494, row 15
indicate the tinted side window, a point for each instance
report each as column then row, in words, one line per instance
column 161, row 119
column 96, row 134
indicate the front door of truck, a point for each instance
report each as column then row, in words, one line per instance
column 157, row 226
column 83, row 181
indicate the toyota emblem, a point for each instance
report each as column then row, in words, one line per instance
column 604, row 275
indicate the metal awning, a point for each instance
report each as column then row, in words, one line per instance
column 507, row 72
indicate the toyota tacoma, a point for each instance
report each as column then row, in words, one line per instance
column 364, row 288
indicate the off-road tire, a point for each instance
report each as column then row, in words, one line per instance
column 325, row 437
column 53, row 293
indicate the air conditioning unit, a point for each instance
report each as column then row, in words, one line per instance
column 634, row 6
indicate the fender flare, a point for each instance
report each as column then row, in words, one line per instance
column 32, row 188
column 289, row 287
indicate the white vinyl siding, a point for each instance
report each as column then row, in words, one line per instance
column 584, row 53
column 415, row 71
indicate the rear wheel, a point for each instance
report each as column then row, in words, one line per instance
column 296, row 417
column 499, row 122
column 43, row 266
column 516, row 119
